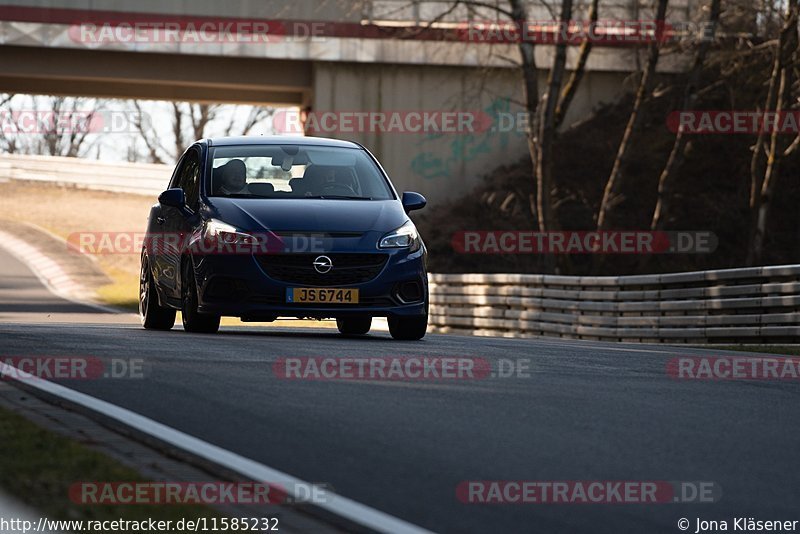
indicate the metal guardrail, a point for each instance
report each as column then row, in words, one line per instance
column 138, row 178
column 735, row 305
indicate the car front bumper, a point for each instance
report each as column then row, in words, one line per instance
column 239, row 286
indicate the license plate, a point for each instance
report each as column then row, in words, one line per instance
column 317, row 295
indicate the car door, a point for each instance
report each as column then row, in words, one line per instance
column 178, row 223
column 158, row 237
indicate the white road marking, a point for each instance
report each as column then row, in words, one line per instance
column 340, row 506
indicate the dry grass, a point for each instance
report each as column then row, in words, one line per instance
column 64, row 211
column 39, row 466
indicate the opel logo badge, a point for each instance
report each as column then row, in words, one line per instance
column 323, row 264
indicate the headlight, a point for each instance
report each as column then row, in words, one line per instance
column 404, row 237
column 218, row 231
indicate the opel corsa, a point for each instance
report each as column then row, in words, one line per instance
column 268, row 227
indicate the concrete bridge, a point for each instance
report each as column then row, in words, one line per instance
column 330, row 55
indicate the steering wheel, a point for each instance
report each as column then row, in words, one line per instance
column 338, row 189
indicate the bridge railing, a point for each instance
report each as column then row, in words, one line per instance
column 445, row 11
column 736, row 305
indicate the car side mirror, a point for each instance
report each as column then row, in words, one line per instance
column 174, row 198
column 413, row 201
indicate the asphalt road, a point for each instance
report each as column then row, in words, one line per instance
column 588, row 411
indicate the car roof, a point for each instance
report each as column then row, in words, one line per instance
column 280, row 140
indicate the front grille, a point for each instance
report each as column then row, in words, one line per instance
column 348, row 269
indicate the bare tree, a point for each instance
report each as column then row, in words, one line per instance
column 256, row 116
column 571, row 88
column 49, row 125
column 661, row 212
column 177, row 130
column 547, row 129
column 780, row 93
column 189, row 122
column 8, row 139
column 612, row 194
column 759, row 149
column 151, row 141
column 545, row 113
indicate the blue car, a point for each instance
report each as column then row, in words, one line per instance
column 267, row 227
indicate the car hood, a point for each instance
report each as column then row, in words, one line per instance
column 308, row 215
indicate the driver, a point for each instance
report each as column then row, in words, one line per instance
column 332, row 177
column 234, row 177
column 344, row 176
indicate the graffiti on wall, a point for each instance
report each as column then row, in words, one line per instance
column 463, row 148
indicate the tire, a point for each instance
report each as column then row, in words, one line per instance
column 194, row 321
column 410, row 328
column 354, row 326
column 153, row 315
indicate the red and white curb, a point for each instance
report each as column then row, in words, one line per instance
column 49, row 273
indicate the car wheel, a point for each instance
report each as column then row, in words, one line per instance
column 410, row 328
column 194, row 321
column 153, row 315
column 354, row 326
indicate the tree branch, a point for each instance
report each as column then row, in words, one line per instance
column 568, row 94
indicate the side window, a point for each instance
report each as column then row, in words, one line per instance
column 189, row 179
column 175, row 181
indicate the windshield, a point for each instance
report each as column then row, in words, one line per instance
column 295, row 171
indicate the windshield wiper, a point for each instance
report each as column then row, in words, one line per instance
column 245, row 195
column 339, row 197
